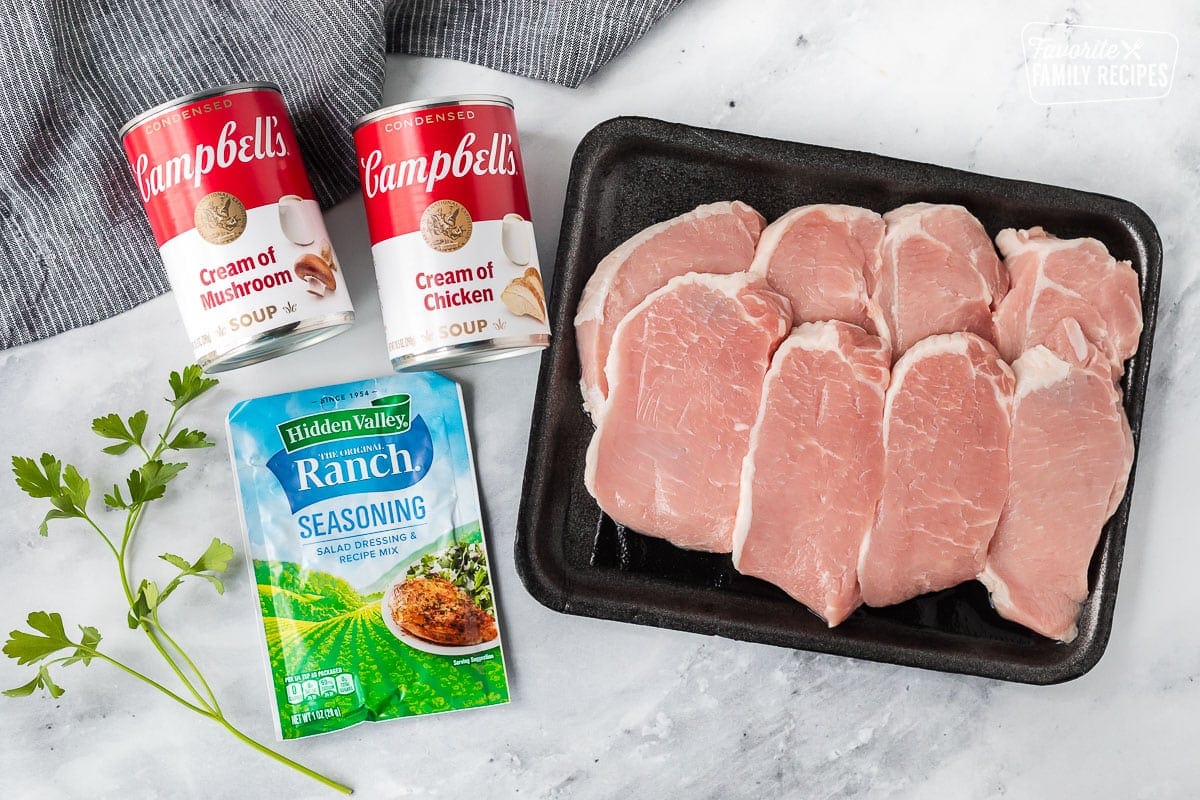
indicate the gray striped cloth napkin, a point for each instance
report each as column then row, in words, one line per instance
column 74, row 243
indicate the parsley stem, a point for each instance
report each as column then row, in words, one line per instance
column 282, row 759
column 151, row 632
column 103, row 535
column 130, row 524
column 162, row 651
column 212, row 698
column 150, row 681
column 162, row 437
column 220, row 719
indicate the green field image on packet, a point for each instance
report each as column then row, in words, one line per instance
column 361, row 512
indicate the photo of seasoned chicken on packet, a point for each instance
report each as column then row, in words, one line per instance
column 365, row 540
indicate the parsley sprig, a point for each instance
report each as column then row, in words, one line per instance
column 47, row 643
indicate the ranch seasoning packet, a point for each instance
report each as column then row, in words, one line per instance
column 365, row 539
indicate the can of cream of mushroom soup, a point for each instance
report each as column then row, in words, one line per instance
column 237, row 224
column 453, row 244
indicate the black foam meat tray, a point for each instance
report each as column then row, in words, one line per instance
column 629, row 173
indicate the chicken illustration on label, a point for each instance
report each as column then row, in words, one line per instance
column 525, row 296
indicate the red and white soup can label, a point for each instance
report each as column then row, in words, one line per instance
column 453, row 244
column 238, row 225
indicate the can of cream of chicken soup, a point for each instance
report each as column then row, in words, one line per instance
column 453, row 244
column 237, row 224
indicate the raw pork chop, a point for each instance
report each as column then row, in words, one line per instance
column 685, row 376
column 1053, row 279
column 822, row 258
column 1070, row 455
column 945, row 437
column 939, row 274
column 716, row 238
column 812, row 478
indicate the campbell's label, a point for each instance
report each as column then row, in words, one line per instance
column 448, row 213
column 237, row 223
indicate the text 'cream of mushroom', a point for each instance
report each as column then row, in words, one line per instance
column 237, row 224
column 453, row 244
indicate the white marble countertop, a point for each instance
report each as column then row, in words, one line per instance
column 602, row 709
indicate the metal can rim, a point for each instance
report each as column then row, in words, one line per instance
column 278, row 341
column 432, row 102
column 204, row 94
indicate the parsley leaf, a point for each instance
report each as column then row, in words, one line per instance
column 215, row 558
column 137, row 425
column 186, row 386
column 76, row 489
column 50, row 638
column 87, row 646
column 214, row 561
column 40, row 681
column 187, row 439
column 29, row 648
column 54, row 513
column 67, row 490
column 149, row 482
column 144, row 604
column 115, row 499
column 111, row 426
column 38, row 481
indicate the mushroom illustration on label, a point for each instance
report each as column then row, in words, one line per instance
column 525, row 296
column 317, row 273
column 293, row 220
column 515, row 239
column 327, row 255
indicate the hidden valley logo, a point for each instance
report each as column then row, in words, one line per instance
column 380, row 448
